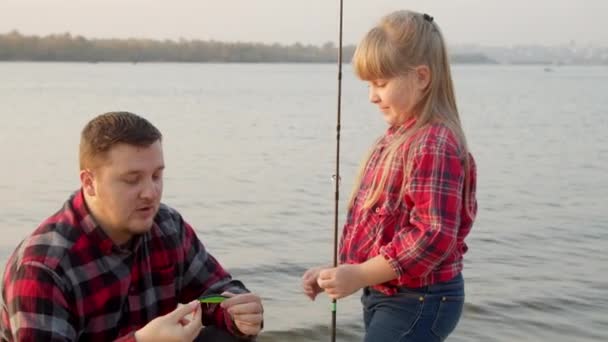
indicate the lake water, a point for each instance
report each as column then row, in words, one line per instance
column 250, row 153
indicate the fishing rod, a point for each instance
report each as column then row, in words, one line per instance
column 337, row 174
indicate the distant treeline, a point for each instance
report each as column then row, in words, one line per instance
column 66, row 47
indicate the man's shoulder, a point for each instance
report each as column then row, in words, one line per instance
column 50, row 242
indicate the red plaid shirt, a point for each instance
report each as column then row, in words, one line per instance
column 420, row 235
column 68, row 281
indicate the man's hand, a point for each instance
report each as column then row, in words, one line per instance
column 174, row 326
column 246, row 310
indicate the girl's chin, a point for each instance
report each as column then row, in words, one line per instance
column 390, row 120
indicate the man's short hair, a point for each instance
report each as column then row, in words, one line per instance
column 110, row 129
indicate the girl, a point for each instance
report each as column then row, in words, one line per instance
column 413, row 202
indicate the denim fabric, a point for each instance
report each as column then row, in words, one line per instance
column 425, row 314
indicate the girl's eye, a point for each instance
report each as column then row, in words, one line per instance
column 377, row 84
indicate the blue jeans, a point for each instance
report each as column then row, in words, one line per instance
column 425, row 314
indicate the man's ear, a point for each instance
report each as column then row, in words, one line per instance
column 87, row 181
column 422, row 77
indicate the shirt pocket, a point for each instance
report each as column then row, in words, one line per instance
column 163, row 282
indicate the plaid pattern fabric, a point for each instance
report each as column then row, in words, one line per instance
column 421, row 235
column 68, row 281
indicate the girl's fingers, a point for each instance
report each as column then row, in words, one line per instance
column 326, row 284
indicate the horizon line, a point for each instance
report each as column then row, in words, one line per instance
column 570, row 43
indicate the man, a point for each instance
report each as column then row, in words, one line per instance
column 115, row 263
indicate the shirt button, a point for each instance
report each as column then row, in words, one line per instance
column 377, row 209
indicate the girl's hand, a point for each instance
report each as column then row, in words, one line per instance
column 341, row 281
column 309, row 282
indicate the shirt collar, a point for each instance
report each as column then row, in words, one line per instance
column 407, row 124
column 391, row 131
column 94, row 231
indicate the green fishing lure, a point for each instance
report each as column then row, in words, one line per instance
column 212, row 299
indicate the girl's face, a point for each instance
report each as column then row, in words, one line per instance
column 397, row 97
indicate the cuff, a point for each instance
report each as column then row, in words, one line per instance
column 388, row 254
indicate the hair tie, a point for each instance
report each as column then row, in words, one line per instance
column 427, row 18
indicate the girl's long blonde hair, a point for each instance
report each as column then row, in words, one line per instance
column 401, row 41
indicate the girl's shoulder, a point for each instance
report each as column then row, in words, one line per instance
column 434, row 137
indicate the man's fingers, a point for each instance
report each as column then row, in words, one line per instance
column 249, row 319
column 248, row 328
column 193, row 328
column 181, row 311
column 247, row 308
column 241, row 299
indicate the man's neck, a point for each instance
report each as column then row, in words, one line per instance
column 117, row 236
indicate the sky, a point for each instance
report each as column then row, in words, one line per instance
column 483, row 22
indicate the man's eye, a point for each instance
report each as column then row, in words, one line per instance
column 131, row 181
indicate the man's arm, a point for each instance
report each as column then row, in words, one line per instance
column 203, row 274
column 36, row 306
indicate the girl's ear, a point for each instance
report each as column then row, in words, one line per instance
column 422, row 77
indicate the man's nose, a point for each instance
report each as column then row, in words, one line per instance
column 150, row 190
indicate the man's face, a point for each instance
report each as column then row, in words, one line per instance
column 125, row 190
